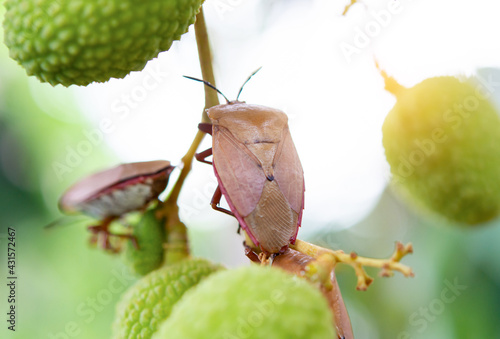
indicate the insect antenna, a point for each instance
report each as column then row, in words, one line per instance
column 250, row 77
column 208, row 84
column 66, row 221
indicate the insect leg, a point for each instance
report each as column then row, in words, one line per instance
column 202, row 156
column 132, row 239
column 216, row 200
column 205, row 127
column 264, row 259
column 250, row 253
column 103, row 230
column 96, row 230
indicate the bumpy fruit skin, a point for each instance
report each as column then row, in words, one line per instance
column 149, row 234
column 149, row 302
column 252, row 303
column 442, row 140
column 81, row 41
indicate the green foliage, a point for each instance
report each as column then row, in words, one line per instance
column 82, row 41
column 251, row 302
column 442, row 140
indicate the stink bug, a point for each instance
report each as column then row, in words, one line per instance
column 109, row 194
column 258, row 171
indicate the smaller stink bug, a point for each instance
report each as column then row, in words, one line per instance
column 258, row 171
column 109, row 194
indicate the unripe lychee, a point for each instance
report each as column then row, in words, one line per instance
column 149, row 235
column 82, row 41
column 145, row 305
column 442, row 140
column 252, row 303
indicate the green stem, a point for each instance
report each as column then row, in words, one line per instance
column 205, row 56
column 211, row 99
column 187, row 162
column 177, row 247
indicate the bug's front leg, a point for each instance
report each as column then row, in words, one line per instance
column 103, row 231
column 216, row 200
column 205, row 127
column 130, row 237
column 202, row 156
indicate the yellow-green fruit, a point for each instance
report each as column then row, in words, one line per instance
column 252, row 303
column 442, row 140
column 149, row 234
column 81, row 41
column 149, row 302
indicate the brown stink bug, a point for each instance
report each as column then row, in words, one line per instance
column 109, row 194
column 258, row 171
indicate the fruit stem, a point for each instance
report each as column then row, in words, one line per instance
column 391, row 85
column 211, row 99
column 176, row 230
column 387, row 266
column 348, row 7
column 205, row 56
column 176, row 246
column 187, row 161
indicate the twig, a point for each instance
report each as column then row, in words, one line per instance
column 387, row 266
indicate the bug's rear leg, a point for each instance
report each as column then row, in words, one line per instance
column 216, row 200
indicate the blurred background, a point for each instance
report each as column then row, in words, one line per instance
column 318, row 66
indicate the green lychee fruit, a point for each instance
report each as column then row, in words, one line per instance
column 145, row 305
column 252, row 303
column 149, row 234
column 442, row 141
column 81, row 41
